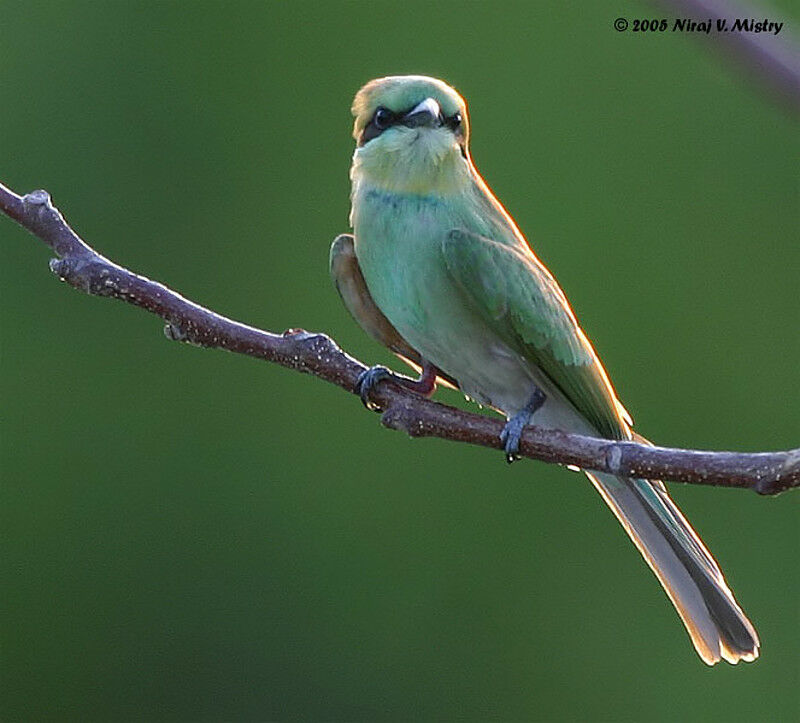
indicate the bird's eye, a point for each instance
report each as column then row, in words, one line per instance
column 383, row 118
column 454, row 121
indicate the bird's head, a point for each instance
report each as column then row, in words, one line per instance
column 411, row 133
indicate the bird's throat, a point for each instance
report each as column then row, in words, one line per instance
column 420, row 165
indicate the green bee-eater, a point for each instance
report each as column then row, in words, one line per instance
column 437, row 271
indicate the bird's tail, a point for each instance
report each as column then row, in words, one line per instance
column 692, row 579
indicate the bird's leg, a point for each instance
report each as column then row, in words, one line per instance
column 512, row 432
column 424, row 386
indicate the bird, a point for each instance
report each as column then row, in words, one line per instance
column 437, row 271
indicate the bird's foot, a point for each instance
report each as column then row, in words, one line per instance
column 512, row 432
column 367, row 381
column 369, row 378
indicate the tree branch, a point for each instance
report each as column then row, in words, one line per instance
column 771, row 61
column 82, row 267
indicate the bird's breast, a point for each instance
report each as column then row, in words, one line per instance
column 398, row 243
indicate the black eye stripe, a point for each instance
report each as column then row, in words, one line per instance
column 454, row 121
column 383, row 119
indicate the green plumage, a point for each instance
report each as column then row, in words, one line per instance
column 522, row 302
column 439, row 273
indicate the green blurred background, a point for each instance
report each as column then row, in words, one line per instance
column 190, row 535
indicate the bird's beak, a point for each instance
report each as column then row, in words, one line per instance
column 427, row 114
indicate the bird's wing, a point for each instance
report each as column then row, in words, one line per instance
column 511, row 289
column 350, row 284
column 514, row 292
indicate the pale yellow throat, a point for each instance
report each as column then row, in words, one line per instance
column 412, row 160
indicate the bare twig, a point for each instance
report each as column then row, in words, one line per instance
column 79, row 265
column 773, row 62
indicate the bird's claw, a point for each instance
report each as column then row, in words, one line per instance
column 510, row 437
column 367, row 381
column 512, row 432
